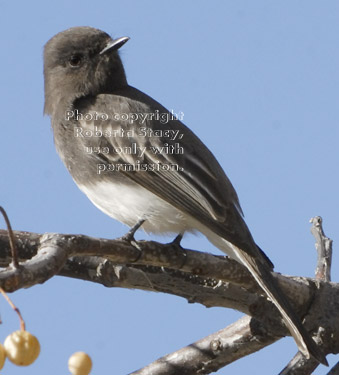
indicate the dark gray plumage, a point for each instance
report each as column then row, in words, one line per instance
column 118, row 168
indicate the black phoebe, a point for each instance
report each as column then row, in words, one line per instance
column 139, row 164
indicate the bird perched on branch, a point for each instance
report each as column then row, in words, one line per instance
column 120, row 147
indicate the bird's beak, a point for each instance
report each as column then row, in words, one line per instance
column 115, row 44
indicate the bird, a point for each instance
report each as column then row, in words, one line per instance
column 139, row 164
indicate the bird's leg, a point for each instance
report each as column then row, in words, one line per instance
column 178, row 249
column 129, row 236
column 178, row 239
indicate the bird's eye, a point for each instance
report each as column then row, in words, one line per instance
column 75, row 60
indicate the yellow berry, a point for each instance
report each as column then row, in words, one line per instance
column 2, row 356
column 22, row 348
column 80, row 363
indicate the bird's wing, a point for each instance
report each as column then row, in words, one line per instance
column 190, row 178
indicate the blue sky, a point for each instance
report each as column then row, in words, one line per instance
column 257, row 82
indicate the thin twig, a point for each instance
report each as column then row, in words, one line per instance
column 11, row 239
column 22, row 322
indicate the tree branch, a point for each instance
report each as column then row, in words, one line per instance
column 212, row 352
column 199, row 277
column 299, row 365
column 52, row 251
column 324, row 249
column 334, row 370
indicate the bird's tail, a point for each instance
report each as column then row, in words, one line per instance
column 263, row 276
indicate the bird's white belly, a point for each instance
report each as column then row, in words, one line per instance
column 130, row 203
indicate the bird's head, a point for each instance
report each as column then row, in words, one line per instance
column 81, row 61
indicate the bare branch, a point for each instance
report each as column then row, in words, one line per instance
column 47, row 262
column 206, row 291
column 299, row 365
column 212, row 352
column 152, row 253
column 199, row 277
column 334, row 370
column 323, row 246
column 15, row 262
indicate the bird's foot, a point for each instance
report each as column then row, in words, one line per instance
column 177, row 240
column 129, row 236
column 178, row 250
